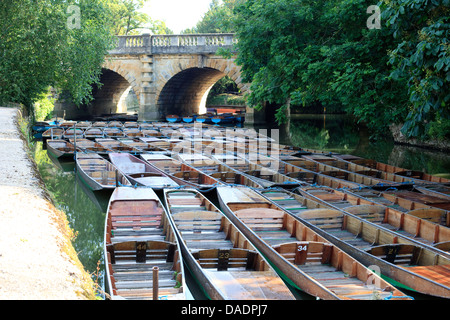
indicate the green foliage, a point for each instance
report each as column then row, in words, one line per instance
column 423, row 58
column 125, row 17
column 302, row 52
column 218, row 19
column 39, row 48
column 43, row 108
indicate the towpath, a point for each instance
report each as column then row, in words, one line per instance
column 37, row 259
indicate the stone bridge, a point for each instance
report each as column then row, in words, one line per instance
column 170, row 74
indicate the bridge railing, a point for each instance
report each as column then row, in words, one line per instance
column 173, row 44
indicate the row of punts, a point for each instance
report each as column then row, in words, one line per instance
column 281, row 218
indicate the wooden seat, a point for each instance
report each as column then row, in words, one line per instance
column 132, row 264
column 226, row 259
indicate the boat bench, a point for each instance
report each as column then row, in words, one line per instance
column 226, row 259
column 305, row 252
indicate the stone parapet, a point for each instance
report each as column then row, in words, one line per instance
column 173, row 44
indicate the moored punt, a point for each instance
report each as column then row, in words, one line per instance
column 306, row 172
column 130, row 124
column 115, row 124
column 402, row 177
column 144, row 147
column 188, row 119
column 60, row 148
column 180, row 172
column 417, row 195
column 70, row 133
column 422, row 226
column 259, row 174
column 436, row 190
column 67, row 124
column 140, row 172
column 117, row 146
column 93, row 133
column 139, row 238
column 132, row 132
column 53, row 133
column 415, row 267
column 387, row 199
column 220, row 257
column 172, row 118
column 391, row 169
column 84, row 124
column 89, row 146
column 99, row 174
column 113, row 132
column 303, row 257
column 219, row 171
column 100, row 124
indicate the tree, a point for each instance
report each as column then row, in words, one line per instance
column 422, row 57
column 51, row 43
column 218, row 18
column 125, row 18
column 304, row 52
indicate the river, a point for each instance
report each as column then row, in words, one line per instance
column 86, row 214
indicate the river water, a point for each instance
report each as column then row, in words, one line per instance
column 86, row 213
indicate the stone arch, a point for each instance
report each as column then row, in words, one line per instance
column 183, row 83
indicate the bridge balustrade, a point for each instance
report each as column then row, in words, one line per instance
column 173, row 44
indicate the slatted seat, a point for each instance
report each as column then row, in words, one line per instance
column 226, row 259
column 132, row 264
column 135, row 218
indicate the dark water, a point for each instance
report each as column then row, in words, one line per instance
column 86, row 212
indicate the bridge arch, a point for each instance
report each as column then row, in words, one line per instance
column 183, row 83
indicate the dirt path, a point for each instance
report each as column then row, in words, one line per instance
column 37, row 261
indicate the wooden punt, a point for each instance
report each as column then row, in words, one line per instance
column 423, row 226
column 396, row 257
column 417, row 195
column 306, row 172
column 401, row 177
column 94, row 132
column 357, row 237
column 100, row 124
column 113, row 132
column 67, row 124
column 98, row 173
column 303, row 257
column 180, row 172
column 219, row 256
column 114, row 124
column 140, row 172
column 144, row 147
column 89, row 146
column 53, row 133
column 131, row 124
column 60, row 148
column 132, row 132
column 70, row 133
column 139, row 238
column 117, row 146
column 387, row 199
column 391, row 169
column 84, row 124
column 259, row 174
column 435, row 190
column 219, row 171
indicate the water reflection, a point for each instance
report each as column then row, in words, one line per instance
column 83, row 215
column 341, row 133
